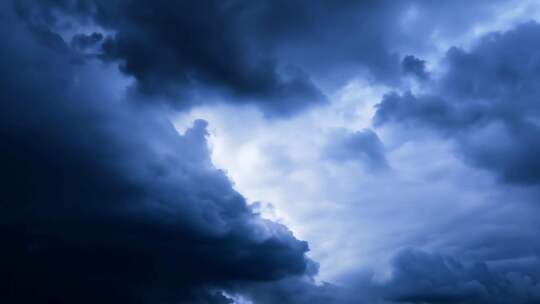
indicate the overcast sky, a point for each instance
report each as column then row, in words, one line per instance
column 270, row 152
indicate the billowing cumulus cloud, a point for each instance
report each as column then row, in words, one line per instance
column 421, row 277
column 103, row 202
column 487, row 100
column 405, row 152
column 417, row 277
column 275, row 54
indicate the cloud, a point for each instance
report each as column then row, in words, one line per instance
column 362, row 146
column 276, row 55
column 486, row 101
column 411, row 65
column 421, row 277
column 417, row 276
column 177, row 50
column 104, row 202
column 406, row 108
column 83, row 42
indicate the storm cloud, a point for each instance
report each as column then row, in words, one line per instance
column 486, row 100
column 274, row 54
column 422, row 277
column 104, row 202
column 400, row 138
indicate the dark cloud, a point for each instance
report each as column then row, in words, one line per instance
column 275, row 54
column 487, row 101
column 429, row 111
column 295, row 291
column 406, row 108
column 362, row 146
column 176, row 50
column 83, row 42
column 411, row 65
column 418, row 277
column 102, row 202
column 421, row 277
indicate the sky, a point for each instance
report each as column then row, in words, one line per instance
column 270, row 152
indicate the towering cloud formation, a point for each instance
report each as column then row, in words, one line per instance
column 105, row 203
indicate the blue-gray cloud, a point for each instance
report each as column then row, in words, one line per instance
column 417, row 277
column 83, row 42
column 486, row 101
column 411, row 65
column 103, row 202
column 268, row 53
column 361, row 146
column 421, row 277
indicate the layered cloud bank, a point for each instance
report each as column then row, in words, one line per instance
column 400, row 138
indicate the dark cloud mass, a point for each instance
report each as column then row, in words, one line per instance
column 275, row 54
column 102, row 200
column 418, row 277
column 411, row 65
column 105, row 203
column 176, row 49
column 421, row 277
column 487, row 100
